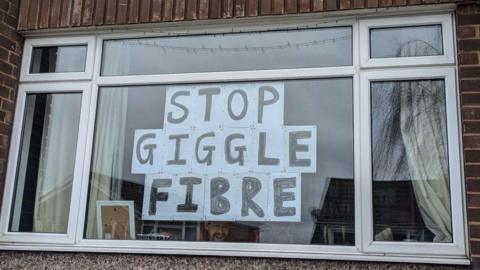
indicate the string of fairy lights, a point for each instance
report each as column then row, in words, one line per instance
column 287, row 45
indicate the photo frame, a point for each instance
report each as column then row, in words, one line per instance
column 115, row 220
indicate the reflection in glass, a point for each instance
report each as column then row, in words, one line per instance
column 46, row 166
column 58, row 59
column 411, row 190
column 229, row 52
column 406, row 41
column 327, row 202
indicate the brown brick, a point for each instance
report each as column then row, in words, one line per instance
column 469, row 72
column 4, row 91
column 474, row 231
column 9, row 82
column 240, row 8
column 475, row 248
column 466, row 32
column 471, row 141
column 358, row 3
column 317, row 5
column 470, row 58
column 345, row 4
column 473, row 214
column 469, row 85
column 252, row 7
column 266, row 7
column 473, row 185
column 14, row 59
column 278, row 6
column 8, row 105
column 331, row 5
column 6, row 68
column 5, row 130
column 472, row 170
column 7, row 43
column 4, row 5
column 157, row 10
column 472, row 156
column 473, row 200
column 469, row 45
column 304, row 5
column 385, row 3
column 471, row 98
column 468, row 19
column 471, row 113
column 3, row 54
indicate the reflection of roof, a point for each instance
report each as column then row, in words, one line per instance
column 339, row 202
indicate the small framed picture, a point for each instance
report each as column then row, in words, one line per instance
column 115, row 220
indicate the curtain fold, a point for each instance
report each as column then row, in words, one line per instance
column 106, row 171
column 423, row 129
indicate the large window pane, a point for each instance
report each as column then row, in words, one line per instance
column 229, row 52
column 57, row 59
column 315, row 205
column 47, row 160
column 411, row 189
column 406, row 41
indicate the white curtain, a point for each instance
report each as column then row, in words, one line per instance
column 423, row 128
column 57, row 161
column 107, row 166
column 108, row 152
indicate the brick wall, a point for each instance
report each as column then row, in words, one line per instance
column 10, row 55
column 36, row 14
column 468, row 41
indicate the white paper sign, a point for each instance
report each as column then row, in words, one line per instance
column 224, row 154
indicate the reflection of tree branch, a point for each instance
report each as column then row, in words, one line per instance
column 417, row 50
column 388, row 151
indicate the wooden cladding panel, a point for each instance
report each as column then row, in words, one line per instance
column 37, row 14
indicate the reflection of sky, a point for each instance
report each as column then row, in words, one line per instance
column 230, row 52
column 326, row 104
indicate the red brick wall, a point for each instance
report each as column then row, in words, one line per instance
column 468, row 41
column 10, row 55
column 39, row 14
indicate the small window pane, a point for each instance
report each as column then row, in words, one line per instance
column 47, row 159
column 229, row 52
column 406, row 41
column 58, row 59
column 324, row 208
column 411, row 185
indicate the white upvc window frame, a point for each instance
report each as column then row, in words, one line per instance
column 30, row 44
column 445, row 20
column 364, row 249
column 454, row 160
column 82, row 88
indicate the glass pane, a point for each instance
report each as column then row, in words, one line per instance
column 410, row 162
column 406, row 41
column 282, row 172
column 58, row 59
column 47, row 159
column 229, row 52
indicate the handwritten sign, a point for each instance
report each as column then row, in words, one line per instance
column 224, row 154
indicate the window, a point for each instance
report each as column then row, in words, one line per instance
column 47, row 162
column 290, row 141
column 58, row 59
column 47, row 59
